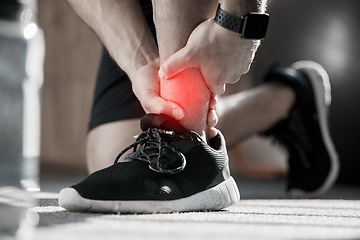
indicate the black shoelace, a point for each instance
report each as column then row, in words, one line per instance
column 155, row 150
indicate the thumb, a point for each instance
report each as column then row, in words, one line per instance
column 175, row 64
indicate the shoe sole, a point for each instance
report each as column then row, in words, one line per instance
column 219, row 197
column 322, row 90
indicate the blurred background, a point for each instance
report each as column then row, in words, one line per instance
column 325, row 31
column 70, row 69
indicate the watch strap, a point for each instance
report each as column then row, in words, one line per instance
column 250, row 26
column 228, row 21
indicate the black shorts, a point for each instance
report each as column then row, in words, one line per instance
column 114, row 99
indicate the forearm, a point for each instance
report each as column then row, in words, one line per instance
column 122, row 28
column 176, row 19
column 242, row 7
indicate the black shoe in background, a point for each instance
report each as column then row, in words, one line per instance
column 313, row 160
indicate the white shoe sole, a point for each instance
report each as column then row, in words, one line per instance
column 219, row 197
column 321, row 85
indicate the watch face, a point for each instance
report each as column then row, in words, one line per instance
column 255, row 26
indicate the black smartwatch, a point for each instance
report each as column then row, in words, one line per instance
column 251, row 26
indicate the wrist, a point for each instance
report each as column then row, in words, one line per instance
column 136, row 59
column 231, row 39
column 142, row 59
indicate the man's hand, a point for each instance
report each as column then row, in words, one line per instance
column 220, row 54
column 146, row 86
column 122, row 28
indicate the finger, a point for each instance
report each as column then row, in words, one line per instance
column 159, row 105
column 175, row 64
column 212, row 132
column 213, row 102
column 217, row 90
column 212, row 119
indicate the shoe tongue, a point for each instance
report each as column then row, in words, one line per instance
column 161, row 121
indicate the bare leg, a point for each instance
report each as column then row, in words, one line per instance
column 254, row 110
column 106, row 141
column 174, row 21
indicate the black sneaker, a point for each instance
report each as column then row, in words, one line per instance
column 313, row 161
column 173, row 170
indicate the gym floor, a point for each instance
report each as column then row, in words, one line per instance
column 264, row 212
